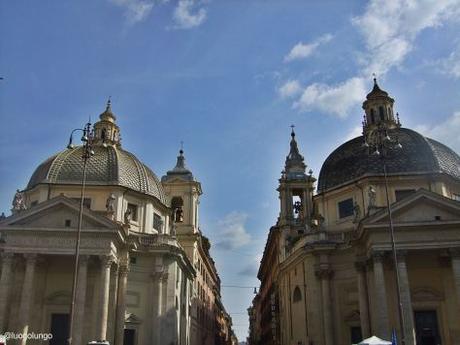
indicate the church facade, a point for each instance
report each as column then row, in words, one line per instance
column 334, row 279
column 145, row 275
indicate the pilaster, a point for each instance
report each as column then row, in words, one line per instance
column 381, row 305
column 325, row 274
column 5, row 287
column 361, row 268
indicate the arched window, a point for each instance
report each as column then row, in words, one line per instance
column 297, row 296
column 372, row 116
column 381, row 113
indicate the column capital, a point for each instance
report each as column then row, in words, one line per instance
column 324, row 273
column 378, row 255
column 401, row 255
column 123, row 270
column 31, row 258
column 7, row 257
column 106, row 260
column 83, row 259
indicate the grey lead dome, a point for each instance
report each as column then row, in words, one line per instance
column 418, row 155
column 110, row 166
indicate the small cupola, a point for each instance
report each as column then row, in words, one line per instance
column 106, row 131
column 180, row 170
column 378, row 107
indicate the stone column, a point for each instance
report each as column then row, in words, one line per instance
column 80, row 300
column 325, row 274
column 409, row 328
column 363, row 299
column 121, row 304
column 27, row 294
column 157, row 298
column 381, row 306
column 5, row 286
column 103, row 308
column 455, row 262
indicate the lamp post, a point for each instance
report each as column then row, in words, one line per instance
column 87, row 139
column 379, row 143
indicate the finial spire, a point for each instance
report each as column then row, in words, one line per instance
column 109, row 101
column 181, row 151
column 292, row 131
column 374, row 76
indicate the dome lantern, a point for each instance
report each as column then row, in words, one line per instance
column 378, row 107
column 106, row 131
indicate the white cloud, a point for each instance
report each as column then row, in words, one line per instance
column 135, row 10
column 338, row 99
column 252, row 267
column 304, row 50
column 447, row 131
column 290, row 89
column 354, row 132
column 186, row 15
column 451, row 64
column 233, row 233
column 389, row 29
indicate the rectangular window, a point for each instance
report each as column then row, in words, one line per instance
column 456, row 197
column 157, row 222
column 86, row 201
column 345, row 208
column 34, row 203
column 133, row 209
column 403, row 193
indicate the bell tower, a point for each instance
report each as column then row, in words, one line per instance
column 184, row 192
column 295, row 189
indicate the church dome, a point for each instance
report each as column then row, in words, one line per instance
column 109, row 166
column 418, row 155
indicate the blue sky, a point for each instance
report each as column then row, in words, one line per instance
column 228, row 78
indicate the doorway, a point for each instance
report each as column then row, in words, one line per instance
column 426, row 327
column 59, row 329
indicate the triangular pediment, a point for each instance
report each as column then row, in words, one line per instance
column 58, row 213
column 421, row 207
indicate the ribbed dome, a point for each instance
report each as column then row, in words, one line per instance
column 110, row 166
column 418, row 155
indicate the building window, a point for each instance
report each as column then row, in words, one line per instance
column 68, row 223
column 297, row 295
column 403, row 193
column 372, row 116
column 133, row 209
column 34, row 203
column 456, row 197
column 86, row 201
column 157, row 222
column 345, row 208
column 381, row 113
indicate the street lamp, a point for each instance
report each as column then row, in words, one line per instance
column 378, row 142
column 87, row 140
